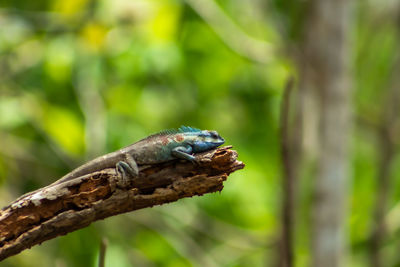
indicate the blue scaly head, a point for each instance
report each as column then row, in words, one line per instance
column 176, row 143
column 201, row 140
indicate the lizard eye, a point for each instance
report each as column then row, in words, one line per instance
column 214, row 134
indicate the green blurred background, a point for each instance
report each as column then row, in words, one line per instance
column 80, row 78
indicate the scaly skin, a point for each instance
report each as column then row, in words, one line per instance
column 157, row 148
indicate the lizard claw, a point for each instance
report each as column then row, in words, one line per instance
column 196, row 161
column 127, row 174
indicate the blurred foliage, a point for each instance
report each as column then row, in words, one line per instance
column 81, row 77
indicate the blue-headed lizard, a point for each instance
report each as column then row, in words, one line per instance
column 157, row 148
column 161, row 147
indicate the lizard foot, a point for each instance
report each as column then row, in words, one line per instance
column 128, row 172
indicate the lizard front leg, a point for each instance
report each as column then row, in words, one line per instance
column 128, row 170
column 183, row 152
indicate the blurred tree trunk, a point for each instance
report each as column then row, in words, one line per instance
column 289, row 180
column 388, row 131
column 325, row 118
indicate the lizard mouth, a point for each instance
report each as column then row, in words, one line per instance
column 220, row 142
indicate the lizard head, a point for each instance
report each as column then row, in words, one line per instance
column 206, row 140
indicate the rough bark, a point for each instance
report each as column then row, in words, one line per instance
column 325, row 83
column 66, row 207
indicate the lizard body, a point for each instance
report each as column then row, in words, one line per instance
column 157, row 148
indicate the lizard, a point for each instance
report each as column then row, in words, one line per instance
column 157, row 148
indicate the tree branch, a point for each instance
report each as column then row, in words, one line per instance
column 57, row 210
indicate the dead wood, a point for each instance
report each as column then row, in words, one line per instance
column 57, row 210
